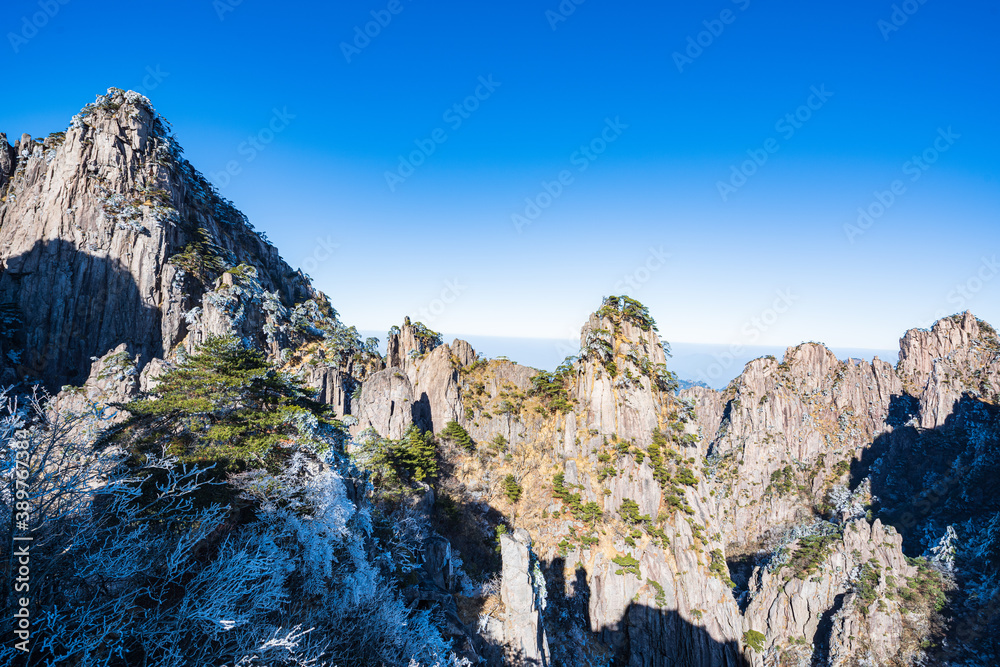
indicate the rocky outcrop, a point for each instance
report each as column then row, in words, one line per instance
column 959, row 354
column 789, row 431
column 116, row 256
column 333, row 387
column 674, row 612
column 834, row 601
column 523, row 630
column 708, row 409
column 8, row 162
column 114, row 378
column 107, row 235
column 615, row 386
column 386, row 404
column 431, row 369
column 435, row 388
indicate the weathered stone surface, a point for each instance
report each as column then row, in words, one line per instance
column 623, row 405
column 113, row 378
column 386, row 404
column 402, row 346
column 787, row 608
column 331, row 386
column 87, row 228
column 796, row 420
column 694, row 621
column 8, row 162
column 149, row 377
column 435, row 388
column 958, row 354
column 463, row 352
column 89, row 224
column 524, row 634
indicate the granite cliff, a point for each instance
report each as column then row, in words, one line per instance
column 815, row 512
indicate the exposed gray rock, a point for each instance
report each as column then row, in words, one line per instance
column 386, row 404
column 435, row 388
column 113, row 378
column 87, row 231
column 624, row 405
column 330, row 383
column 8, row 162
column 787, row 607
column 958, row 354
column 524, row 634
column 787, row 426
column 149, row 377
column 463, row 352
column 402, row 346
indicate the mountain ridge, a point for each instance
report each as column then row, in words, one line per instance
column 627, row 519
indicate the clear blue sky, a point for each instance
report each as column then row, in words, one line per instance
column 886, row 95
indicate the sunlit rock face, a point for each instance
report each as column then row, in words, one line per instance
column 597, row 515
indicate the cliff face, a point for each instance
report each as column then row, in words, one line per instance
column 772, row 523
column 958, row 355
column 789, row 430
column 94, row 226
column 917, row 442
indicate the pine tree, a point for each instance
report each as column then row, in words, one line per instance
column 453, row 431
column 418, row 454
column 512, row 489
column 226, row 403
column 202, row 257
column 629, row 512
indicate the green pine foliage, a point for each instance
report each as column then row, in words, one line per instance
column 669, row 473
column 719, row 568
column 202, row 257
column 391, row 464
column 629, row 512
column 866, row 587
column 754, row 640
column 782, row 481
column 661, row 595
column 590, row 512
column 810, row 554
column 454, row 432
column 550, row 388
column 418, row 454
column 628, row 565
column 925, row 590
column 427, row 339
column 226, row 404
column 512, row 489
column 626, row 309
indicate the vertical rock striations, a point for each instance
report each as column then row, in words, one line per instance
column 108, row 235
column 763, row 524
column 523, row 630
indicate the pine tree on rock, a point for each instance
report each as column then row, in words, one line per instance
column 453, row 431
column 227, row 404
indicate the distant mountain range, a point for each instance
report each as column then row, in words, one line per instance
column 710, row 365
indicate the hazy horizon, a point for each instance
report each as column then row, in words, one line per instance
column 715, row 365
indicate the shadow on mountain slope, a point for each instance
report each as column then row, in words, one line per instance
column 928, row 482
column 645, row 635
column 73, row 306
column 652, row 637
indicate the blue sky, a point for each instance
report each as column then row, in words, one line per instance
column 773, row 256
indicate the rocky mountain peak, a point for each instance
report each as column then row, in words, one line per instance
column 961, row 337
column 109, row 235
column 630, row 523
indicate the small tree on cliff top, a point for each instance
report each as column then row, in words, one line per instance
column 627, row 309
